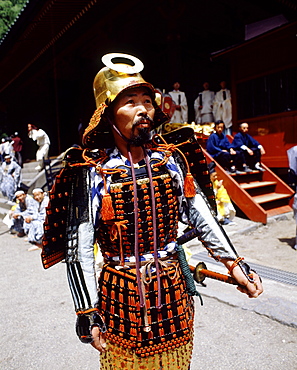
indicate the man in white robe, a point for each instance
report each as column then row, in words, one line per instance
column 25, row 208
column 223, row 108
column 10, row 177
column 43, row 142
column 203, row 105
column 180, row 114
column 33, row 225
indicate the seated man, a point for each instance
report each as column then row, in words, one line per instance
column 250, row 147
column 219, row 147
column 33, row 225
column 25, row 208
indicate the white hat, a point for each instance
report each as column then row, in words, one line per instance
column 19, row 192
column 37, row 190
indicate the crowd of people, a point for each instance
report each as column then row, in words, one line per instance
column 240, row 155
column 11, row 161
column 209, row 106
column 11, row 165
column 26, row 218
column 27, row 213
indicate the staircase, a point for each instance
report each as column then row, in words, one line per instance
column 258, row 195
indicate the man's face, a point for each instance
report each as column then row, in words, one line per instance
column 244, row 128
column 223, row 84
column 206, row 85
column 176, row 86
column 7, row 160
column 39, row 196
column 219, row 128
column 133, row 115
column 21, row 198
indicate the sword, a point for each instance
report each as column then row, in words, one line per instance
column 200, row 273
column 201, row 269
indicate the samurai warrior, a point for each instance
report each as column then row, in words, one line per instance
column 126, row 191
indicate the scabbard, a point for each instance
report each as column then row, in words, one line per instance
column 200, row 272
column 218, row 276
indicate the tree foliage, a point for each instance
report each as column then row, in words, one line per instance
column 9, row 9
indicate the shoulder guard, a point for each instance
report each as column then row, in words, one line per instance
column 67, row 207
column 196, row 159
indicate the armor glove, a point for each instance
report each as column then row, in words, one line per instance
column 86, row 322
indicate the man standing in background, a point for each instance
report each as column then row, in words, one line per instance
column 180, row 114
column 43, row 142
column 222, row 108
column 10, row 177
column 203, row 105
column 17, row 145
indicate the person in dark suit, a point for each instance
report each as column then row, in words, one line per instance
column 250, row 147
column 219, row 147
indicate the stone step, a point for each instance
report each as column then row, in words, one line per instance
column 5, row 206
column 270, row 197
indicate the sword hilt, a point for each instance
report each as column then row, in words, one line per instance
column 201, row 272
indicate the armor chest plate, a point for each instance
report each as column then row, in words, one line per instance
column 120, row 233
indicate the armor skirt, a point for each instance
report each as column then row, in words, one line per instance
column 150, row 336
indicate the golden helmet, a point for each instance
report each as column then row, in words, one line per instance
column 109, row 82
column 117, row 77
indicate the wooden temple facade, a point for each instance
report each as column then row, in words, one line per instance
column 264, row 90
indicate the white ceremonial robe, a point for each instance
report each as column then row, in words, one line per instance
column 179, row 98
column 204, row 114
column 43, row 142
column 10, row 178
column 223, row 108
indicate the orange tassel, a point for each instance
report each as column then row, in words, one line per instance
column 107, row 211
column 189, row 186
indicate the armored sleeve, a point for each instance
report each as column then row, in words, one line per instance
column 80, row 245
column 198, row 213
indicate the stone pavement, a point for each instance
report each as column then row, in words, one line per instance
column 279, row 300
column 231, row 331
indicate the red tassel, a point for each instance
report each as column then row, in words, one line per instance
column 189, row 186
column 107, row 211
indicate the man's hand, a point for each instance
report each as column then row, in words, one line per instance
column 253, row 290
column 250, row 151
column 28, row 219
column 98, row 340
column 15, row 215
column 232, row 151
column 262, row 150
